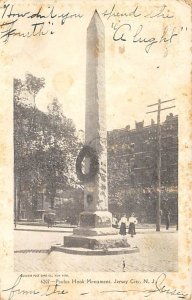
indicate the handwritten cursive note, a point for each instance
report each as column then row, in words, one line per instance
column 134, row 26
column 50, row 290
column 161, row 12
column 46, row 19
column 122, row 32
column 40, row 22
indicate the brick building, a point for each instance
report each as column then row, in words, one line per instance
column 132, row 166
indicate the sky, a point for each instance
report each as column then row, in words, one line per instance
column 133, row 78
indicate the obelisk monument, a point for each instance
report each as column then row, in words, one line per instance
column 96, row 215
column 95, row 115
column 95, row 231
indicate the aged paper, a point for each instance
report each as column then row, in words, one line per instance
column 147, row 59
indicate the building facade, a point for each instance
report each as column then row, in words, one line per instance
column 132, row 167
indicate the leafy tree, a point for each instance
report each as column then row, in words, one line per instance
column 25, row 136
column 45, row 145
column 34, row 85
column 62, row 147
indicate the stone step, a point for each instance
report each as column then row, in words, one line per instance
column 83, row 251
column 97, row 242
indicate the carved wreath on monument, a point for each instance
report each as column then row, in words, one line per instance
column 87, row 152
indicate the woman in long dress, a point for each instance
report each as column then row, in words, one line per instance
column 167, row 220
column 132, row 223
column 114, row 222
column 123, row 225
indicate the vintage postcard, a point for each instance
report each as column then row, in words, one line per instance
column 95, row 157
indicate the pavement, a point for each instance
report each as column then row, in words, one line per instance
column 158, row 253
column 68, row 229
column 43, row 228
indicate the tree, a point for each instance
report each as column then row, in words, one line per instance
column 34, row 85
column 45, row 146
column 62, row 148
column 25, row 136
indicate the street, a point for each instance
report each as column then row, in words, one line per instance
column 158, row 253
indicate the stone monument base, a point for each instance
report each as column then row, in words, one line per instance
column 84, row 231
column 96, row 245
column 96, row 242
column 96, row 223
column 96, row 236
column 84, row 251
column 96, row 219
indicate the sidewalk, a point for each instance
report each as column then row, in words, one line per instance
column 153, row 230
column 70, row 229
column 43, row 228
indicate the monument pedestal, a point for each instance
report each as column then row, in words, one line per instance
column 96, row 233
column 89, row 240
column 95, row 223
column 96, row 242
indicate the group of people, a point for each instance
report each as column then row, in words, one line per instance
column 124, row 223
column 130, row 223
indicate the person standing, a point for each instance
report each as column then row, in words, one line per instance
column 132, row 223
column 123, row 225
column 167, row 220
column 114, row 222
column 177, row 222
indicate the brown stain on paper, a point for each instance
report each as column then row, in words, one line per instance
column 121, row 49
column 62, row 82
column 187, row 2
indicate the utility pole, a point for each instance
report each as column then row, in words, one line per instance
column 14, row 168
column 158, row 203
